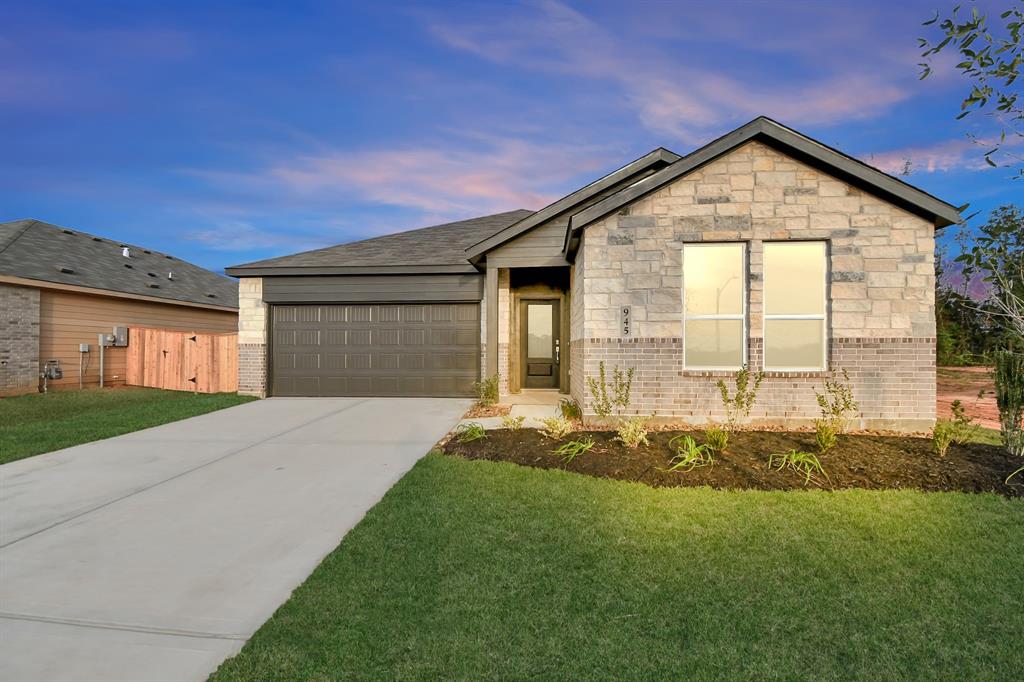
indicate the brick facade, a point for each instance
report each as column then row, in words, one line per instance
column 881, row 303
column 252, row 337
column 19, row 340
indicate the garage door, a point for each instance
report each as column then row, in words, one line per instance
column 430, row 349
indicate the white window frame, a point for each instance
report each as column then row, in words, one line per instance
column 741, row 316
column 823, row 317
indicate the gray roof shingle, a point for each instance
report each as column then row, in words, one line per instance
column 32, row 249
column 438, row 245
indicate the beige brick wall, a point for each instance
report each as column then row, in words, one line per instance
column 252, row 337
column 881, row 293
column 19, row 340
column 504, row 328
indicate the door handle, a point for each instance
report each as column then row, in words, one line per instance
column 557, row 352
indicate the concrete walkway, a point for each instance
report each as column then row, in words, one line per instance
column 155, row 555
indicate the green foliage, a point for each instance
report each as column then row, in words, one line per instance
column 574, row 448
column 1009, row 375
column 469, row 432
column 618, row 398
column 804, row 463
column 997, row 256
column 824, row 435
column 632, row 431
column 964, row 430
column 739, row 404
column 512, row 423
column 570, row 408
column 836, row 404
column 486, row 391
column 689, row 455
column 717, row 439
column 556, row 428
column 943, row 435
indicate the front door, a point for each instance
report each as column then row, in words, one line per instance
column 540, row 346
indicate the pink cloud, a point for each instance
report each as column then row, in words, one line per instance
column 951, row 155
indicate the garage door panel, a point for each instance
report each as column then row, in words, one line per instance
column 375, row 349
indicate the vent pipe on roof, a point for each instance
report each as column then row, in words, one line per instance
column 126, row 252
column 170, row 275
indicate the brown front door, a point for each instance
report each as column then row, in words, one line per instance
column 540, row 346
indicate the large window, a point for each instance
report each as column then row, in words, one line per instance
column 714, row 292
column 794, row 306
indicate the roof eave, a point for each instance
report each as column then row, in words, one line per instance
column 314, row 270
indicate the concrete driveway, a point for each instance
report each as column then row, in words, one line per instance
column 155, row 555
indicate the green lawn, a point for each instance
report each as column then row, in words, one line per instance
column 488, row 570
column 42, row 422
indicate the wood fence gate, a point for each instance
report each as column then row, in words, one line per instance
column 182, row 361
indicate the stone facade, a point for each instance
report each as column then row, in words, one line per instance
column 881, row 305
column 19, row 340
column 252, row 337
column 504, row 328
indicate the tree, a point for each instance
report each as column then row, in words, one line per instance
column 992, row 58
column 997, row 256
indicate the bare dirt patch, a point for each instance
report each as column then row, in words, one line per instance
column 858, row 461
column 974, row 387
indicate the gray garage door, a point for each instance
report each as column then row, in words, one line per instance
column 404, row 349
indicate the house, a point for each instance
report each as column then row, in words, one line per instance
column 763, row 248
column 61, row 288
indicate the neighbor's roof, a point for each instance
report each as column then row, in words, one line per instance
column 440, row 248
column 31, row 249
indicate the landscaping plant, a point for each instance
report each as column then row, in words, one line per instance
column 837, row 403
column 574, row 448
column 717, row 439
column 824, row 435
column 556, row 428
column 632, row 431
column 739, row 404
column 943, row 435
column 570, row 408
column 804, row 463
column 512, row 423
column 469, row 432
column 964, row 430
column 1010, row 400
column 619, row 397
column 689, row 455
column 486, row 391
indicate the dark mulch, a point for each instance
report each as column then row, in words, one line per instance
column 857, row 461
column 479, row 411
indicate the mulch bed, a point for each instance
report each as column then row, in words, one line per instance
column 479, row 412
column 857, row 461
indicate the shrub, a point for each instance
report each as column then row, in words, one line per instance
column 632, row 431
column 689, row 455
column 740, row 403
column 486, row 391
column 964, row 431
column 836, row 403
column 1009, row 376
column 574, row 448
column 824, row 435
column 512, row 423
column 621, row 388
column 801, row 462
column 470, row 431
column 717, row 439
column 943, row 435
column 556, row 428
column 570, row 408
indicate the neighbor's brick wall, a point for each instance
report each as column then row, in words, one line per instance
column 881, row 293
column 252, row 337
column 19, row 340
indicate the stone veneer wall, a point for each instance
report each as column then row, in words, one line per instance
column 19, row 340
column 504, row 328
column 881, row 290
column 252, row 337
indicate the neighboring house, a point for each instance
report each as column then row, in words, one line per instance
column 763, row 248
column 60, row 288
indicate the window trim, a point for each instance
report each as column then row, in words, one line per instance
column 823, row 317
column 741, row 316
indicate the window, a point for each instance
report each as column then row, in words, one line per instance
column 714, row 304
column 794, row 306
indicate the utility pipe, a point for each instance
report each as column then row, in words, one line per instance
column 103, row 346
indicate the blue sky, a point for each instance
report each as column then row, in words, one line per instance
column 226, row 133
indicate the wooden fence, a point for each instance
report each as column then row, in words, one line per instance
column 182, row 361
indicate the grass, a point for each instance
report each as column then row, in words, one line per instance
column 43, row 422
column 489, row 570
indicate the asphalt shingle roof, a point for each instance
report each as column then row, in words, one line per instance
column 32, row 249
column 428, row 246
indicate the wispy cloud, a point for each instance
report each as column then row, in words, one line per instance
column 951, row 155
column 241, row 236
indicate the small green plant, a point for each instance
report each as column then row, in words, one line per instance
column 570, row 408
column 469, row 432
column 824, row 435
column 804, row 463
column 836, row 403
column 964, row 430
column 512, row 423
column 943, row 435
column 556, row 428
column 486, row 391
column 632, row 431
column 689, row 455
column 739, row 404
column 717, row 439
column 1009, row 375
column 621, row 388
column 574, row 448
